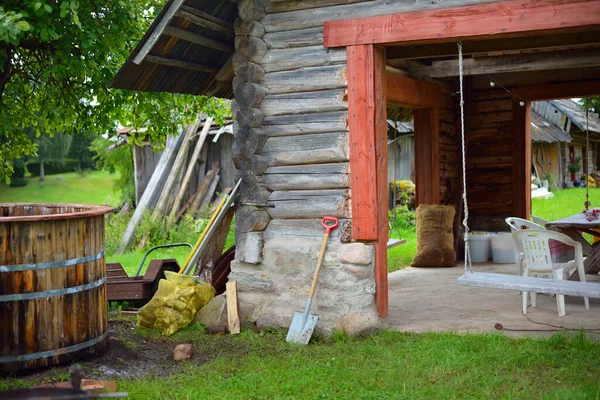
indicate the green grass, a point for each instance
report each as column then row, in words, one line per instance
column 565, row 203
column 402, row 255
column 92, row 188
column 132, row 259
column 383, row 366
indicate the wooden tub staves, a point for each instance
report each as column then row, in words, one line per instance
column 52, row 283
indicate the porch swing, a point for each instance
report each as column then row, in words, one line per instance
column 503, row 281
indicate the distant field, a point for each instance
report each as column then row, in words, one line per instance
column 92, row 188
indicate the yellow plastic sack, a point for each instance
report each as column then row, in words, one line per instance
column 175, row 303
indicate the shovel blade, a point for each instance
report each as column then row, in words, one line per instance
column 300, row 331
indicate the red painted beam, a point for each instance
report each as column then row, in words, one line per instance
column 506, row 18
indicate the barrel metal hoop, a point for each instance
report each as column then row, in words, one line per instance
column 53, row 353
column 52, row 264
column 52, row 293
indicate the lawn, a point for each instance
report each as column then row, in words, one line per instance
column 385, row 365
column 92, row 188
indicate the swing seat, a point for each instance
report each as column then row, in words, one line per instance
column 391, row 243
column 537, row 260
column 529, row 284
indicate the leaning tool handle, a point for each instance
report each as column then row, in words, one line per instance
column 328, row 229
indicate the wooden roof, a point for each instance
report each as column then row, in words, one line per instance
column 187, row 49
column 576, row 114
column 545, row 131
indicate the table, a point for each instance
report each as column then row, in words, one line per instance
column 574, row 227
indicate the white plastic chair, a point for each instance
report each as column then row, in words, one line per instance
column 538, row 261
column 517, row 224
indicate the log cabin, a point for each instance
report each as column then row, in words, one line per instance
column 311, row 81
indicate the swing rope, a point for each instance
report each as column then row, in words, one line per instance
column 587, row 203
column 468, row 265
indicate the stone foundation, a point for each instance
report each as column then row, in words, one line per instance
column 271, row 291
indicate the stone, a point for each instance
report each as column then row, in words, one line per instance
column 361, row 272
column 182, row 352
column 356, row 253
column 214, row 313
column 250, row 282
column 360, row 323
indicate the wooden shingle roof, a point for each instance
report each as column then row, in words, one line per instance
column 187, row 49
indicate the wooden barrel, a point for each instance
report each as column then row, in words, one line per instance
column 52, row 283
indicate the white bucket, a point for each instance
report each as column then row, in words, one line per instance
column 479, row 245
column 504, row 248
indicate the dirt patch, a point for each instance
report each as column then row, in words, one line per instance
column 128, row 354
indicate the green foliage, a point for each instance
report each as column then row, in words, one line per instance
column 18, row 178
column 592, row 102
column 52, row 166
column 575, row 166
column 120, row 159
column 80, row 150
column 57, row 59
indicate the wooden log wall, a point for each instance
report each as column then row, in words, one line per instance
column 490, row 156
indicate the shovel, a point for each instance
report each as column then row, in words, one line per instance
column 303, row 323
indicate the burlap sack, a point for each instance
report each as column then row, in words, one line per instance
column 435, row 241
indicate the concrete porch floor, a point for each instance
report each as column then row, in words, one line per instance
column 428, row 299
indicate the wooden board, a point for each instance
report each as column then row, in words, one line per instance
column 522, row 17
column 538, row 285
column 233, row 319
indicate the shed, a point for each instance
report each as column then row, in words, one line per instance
column 312, row 81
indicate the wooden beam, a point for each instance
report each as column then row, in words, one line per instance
column 361, row 122
column 206, row 20
column 180, row 64
column 558, row 91
column 521, row 159
column 511, row 63
column 492, row 45
column 410, row 93
column 197, row 39
column 427, row 155
column 501, row 19
column 381, row 162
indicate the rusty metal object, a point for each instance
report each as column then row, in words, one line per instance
column 120, row 287
column 221, row 270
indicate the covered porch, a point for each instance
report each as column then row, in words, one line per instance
column 428, row 299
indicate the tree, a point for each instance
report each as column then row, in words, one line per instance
column 57, row 58
column 55, row 147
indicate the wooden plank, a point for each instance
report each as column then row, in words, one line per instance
column 511, row 63
column 427, row 156
column 180, row 64
column 473, row 22
column 381, row 165
column 198, row 39
column 233, row 319
column 303, row 103
column 315, row 176
column 558, row 90
column 294, row 58
column 294, row 38
column 157, row 32
column 305, row 79
column 538, row 285
column 361, row 121
column 306, row 149
column 411, row 93
column 307, row 204
column 522, row 159
column 311, row 18
column 205, row 20
column 291, row 125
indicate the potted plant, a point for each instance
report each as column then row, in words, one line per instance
column 575, row 166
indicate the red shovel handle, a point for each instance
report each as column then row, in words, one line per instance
column 329, row 227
